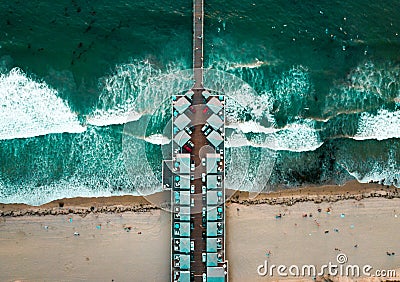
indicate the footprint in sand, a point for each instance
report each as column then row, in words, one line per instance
column 69, row 266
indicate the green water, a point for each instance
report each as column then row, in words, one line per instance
column 332, row 66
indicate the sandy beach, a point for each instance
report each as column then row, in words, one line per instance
column 362, row 230
column 46, row 249
column 127, row 238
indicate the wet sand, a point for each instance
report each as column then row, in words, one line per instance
column 118, row 243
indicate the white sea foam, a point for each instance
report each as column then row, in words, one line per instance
column 383, row 125
column 136, row 89
column 90, row 164
column 377, row 174
column 255, row 64
column 30, row 108
column 249, row 170
column 245, row 100
column 119, row 92
column 299, row 136
column 385, row 170
column 365, row 86
column 237, row 140
column 158, row 139
column 296, row 137
column 70, row 188
column 252, row 127
column 104, row 118
column 141, row 174
column 289, row 96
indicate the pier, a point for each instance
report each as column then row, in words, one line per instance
column 195, row 175
column 198, row 39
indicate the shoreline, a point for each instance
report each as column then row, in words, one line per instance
column 83, row 206
column 352, row 190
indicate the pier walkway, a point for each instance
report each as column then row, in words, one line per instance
column 198, row 39
column 196, row 175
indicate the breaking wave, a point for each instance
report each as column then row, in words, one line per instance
column 383, row 125
column 299, row 136
column 369, row 161
column 30, row 108
column 40, row 169
column 270, row 118
column 136, row 89
column 365, row 87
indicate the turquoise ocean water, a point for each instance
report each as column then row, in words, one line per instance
column 325, row 106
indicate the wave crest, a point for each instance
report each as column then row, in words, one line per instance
column 30, row 108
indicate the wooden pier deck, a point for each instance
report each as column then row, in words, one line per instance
column 198, row 39
column 198, row 114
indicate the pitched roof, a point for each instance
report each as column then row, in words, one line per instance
column 211, row 162
column 215, row 121
column 212, row 181
column 183, row 160
column 181, row 105
column 182, row 121
column 211, row 244
column 181, row 138
column 215, row 138
column 215, row 105
column 184, row 245
column 206, row 94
